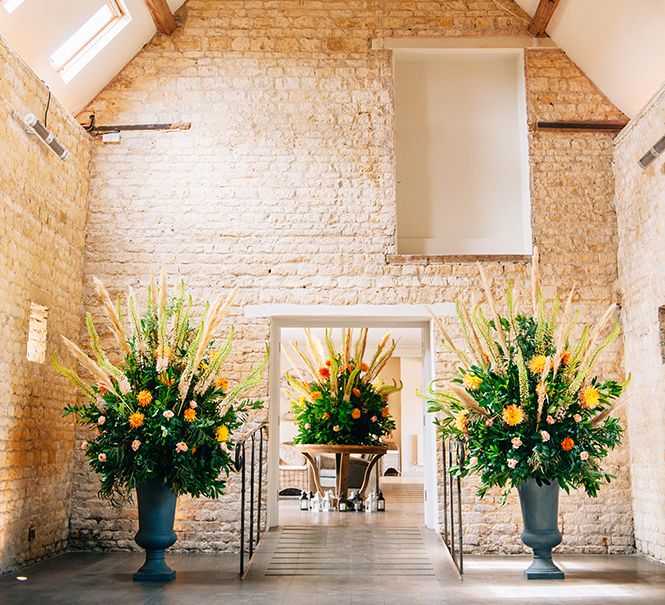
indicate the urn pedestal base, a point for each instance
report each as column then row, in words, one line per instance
column 543, row 568
column 154, row 569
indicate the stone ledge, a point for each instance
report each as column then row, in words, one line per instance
column 438, row 259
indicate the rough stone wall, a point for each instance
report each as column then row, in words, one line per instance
column 640, row 207
column 285, row 186
column 43, row 207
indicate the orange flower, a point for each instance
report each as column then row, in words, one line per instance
column 364, row 367
column 325, row 372
column 385, row 412
column 165, row 379
column 316, row 395
column 189, row 415
column 567, row 444
column 222, row 383
column 136, row 420
column 566, row 358
column 513, row 415
column 325, row 416
column 355, row 414
column 167, row 353
column 222, row 433
column 144, row 398
column 328, row 362
column 356, row 391
column 537, row 363
column 589, row 397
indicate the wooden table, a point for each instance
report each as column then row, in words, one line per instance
column 342, row 454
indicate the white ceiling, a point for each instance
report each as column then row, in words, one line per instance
column 619, row 44
column 38, row 27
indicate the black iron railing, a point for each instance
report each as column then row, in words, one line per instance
column 255, row 445
column 453, row 456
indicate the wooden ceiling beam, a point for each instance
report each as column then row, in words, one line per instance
column 542, row 17
column 162, row 16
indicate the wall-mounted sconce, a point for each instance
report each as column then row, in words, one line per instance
column 37, row 126
column 653, row 153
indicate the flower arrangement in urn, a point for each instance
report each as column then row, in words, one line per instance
column 164, row 413
column 527, row 405
column 338, row 398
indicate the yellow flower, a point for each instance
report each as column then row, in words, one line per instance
column 590, row 397
column 472, row 382
column 325, row 416
column 136, row 420
column 461, row 421
column 355, row 414
column 537, row 363
column 566, row 358
column 222, row 433
column 222, row 383
column 513, row 415
column 144, row 398
column 189, row 415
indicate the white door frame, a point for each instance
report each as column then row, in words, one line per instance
column 351, row 316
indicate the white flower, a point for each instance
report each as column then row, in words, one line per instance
column 168, row 414
column 101, row 420
column 516, row 441
column 584, row 455
column 545, row 435
column 136, row 444
column 124, row 386
column 162, row 364
column 512, row 463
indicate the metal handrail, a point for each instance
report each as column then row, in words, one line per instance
column 453, row 454
column 260, row 434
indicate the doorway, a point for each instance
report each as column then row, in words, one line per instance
column 413, row 318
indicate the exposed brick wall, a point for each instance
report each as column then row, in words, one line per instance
column 285, row 186
column 640, row 207
column 43, row 206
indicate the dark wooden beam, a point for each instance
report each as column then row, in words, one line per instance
column 541, row 18
column 584, row 126
column 119, row 127
column 162, row 16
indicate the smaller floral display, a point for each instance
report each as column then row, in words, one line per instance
column 337, row 398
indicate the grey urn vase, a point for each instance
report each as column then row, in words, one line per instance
column 540, row 513
column 156, row 504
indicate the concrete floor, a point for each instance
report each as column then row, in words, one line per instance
column 326, row 559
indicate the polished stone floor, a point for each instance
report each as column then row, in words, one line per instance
column 331, row 559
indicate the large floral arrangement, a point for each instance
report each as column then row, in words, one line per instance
column 338, row 398
column 524, row 398
column 165, row 410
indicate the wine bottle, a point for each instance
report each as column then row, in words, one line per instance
column 380, row 502
column 304, row 501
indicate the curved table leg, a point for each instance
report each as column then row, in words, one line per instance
column 368, row 473
column 315, row 472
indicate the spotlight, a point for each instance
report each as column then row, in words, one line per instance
column 37, row 126
column 653, row 153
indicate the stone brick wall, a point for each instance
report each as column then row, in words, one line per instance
column 43, row 208
column 640, row 207
column 285, row 186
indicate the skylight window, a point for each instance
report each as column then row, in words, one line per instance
column 90, row 39
column 11, row 5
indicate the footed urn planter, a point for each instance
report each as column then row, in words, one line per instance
column 156, row 504
column 540, row 512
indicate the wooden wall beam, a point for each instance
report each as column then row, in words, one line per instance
column 541, row 18
column 584, row 126
column 162, row 16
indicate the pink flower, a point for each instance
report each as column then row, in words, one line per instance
column 168, row 414
column 550, row 420
column 545, row 435
column 308, row 426
column 473, row 461
column 101, row 420
column 193, row 405
column 136, row 444
column 84, row 445
column 101, row 457
column 584, row 455
column 224, row 447
column 577, row 418
column 516, row 441
column 489, row 422
column 181, row 446
column 512, row 463
column 373, row 418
